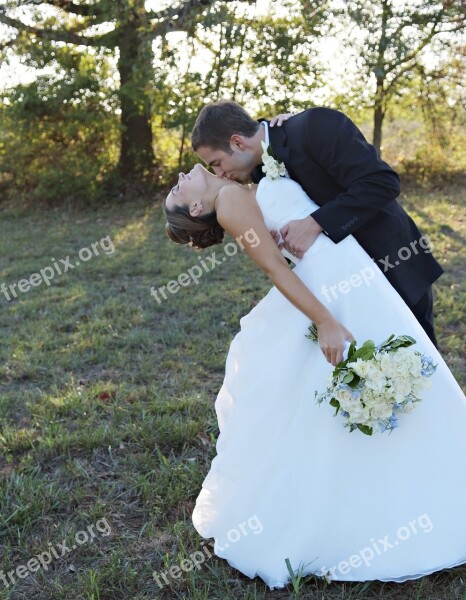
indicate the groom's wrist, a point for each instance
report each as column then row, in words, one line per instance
column 317, row 225
column 321, row 229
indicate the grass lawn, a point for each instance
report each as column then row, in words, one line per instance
column 107, row 397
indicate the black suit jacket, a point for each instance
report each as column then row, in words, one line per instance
column 329, row 157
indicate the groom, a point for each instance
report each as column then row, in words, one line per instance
column 328, row 156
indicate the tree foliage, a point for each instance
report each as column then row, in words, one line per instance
column 59, row 134
column 390, row 39
column 125, row 28
column 119, row 84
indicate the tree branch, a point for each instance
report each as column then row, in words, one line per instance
column 56, row 35
column 179, row 11
column 84, row 10
column 412, row 55
column 8, row 44
column 391, row 84
column 178, row 18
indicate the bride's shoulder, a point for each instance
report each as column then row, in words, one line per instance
column 237, row 210
column 234, row 190
column 231, row 196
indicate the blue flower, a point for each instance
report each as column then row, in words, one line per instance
column 343, row 386
column 428, row 366
column 393, row 422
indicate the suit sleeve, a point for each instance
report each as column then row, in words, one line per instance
column 338, row 146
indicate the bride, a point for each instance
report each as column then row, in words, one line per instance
column 290, row 489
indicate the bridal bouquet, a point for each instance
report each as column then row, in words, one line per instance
column 375, row 383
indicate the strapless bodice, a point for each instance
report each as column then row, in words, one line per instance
column 283, row 200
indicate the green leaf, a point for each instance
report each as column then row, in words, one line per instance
column 351, row 349
column 312, row 335
column 391, row 343
column 365, row 352
column 348, row 377
column 387, row 341
column 365, row 429
column 355, row 381
column 334, row 402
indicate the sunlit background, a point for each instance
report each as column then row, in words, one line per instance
column 397, row 67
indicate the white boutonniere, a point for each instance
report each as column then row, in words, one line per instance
column 272, row 168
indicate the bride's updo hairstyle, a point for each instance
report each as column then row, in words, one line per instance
column 200, row 232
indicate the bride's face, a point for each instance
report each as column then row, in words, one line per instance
column 191, row 189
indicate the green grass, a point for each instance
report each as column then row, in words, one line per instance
column 106, row 403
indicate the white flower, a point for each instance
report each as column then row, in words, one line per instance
column 408, row 407
column 373, row 399
column 419, row 384
column 401, row 388
column 375, row 379
column 407, row 362
column 415, row 364
column 272, row 168
column 387, row 364
column 357, row 414
column 382, row 411
column 344, row 396
column 360, row 367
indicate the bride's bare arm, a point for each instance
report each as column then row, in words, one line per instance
column 237, row 213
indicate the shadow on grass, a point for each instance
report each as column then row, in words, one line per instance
column 106, row 404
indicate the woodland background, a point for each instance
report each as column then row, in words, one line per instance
column 113, row 87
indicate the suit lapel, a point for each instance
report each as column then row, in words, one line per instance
column 277, row 137
column 278, row 141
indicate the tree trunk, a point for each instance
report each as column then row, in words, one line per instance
column 135, row 60
column 379, row 114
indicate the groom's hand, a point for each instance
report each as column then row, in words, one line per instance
column 299, row 235
column 280, row 119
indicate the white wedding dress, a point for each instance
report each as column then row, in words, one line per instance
column 289, row 481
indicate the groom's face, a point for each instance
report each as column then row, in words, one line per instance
column 237, row 166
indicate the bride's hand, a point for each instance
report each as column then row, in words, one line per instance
column 280, row 119
column 276, row 237
column 332, row 337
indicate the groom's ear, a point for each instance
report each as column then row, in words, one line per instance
column 237, row 142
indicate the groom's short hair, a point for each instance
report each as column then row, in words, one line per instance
column 218, row 121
